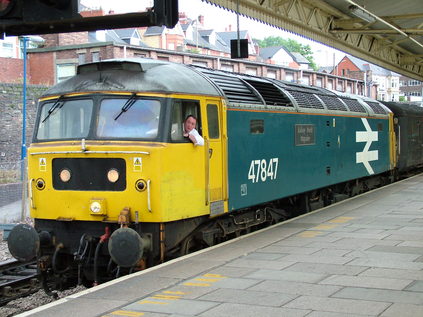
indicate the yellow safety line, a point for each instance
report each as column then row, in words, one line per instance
column 341, row 220
column 197, row 284
column 152, row 302
column 126, row 313
column 310, row 234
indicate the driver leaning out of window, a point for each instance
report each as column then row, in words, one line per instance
column 190, row 131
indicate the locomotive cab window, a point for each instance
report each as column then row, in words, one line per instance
column 213, row 121
column 65, row 119
column 180, row 110
column 129, row 118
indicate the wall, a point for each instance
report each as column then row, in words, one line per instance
column 11, row 70
column 11, row 120
column 10, row 193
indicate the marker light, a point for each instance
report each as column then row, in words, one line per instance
column 65, row 175
column 113, row 175
column 40, row 184
column 140, row 185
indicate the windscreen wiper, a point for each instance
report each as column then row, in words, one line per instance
column 57, row 105
column 128, row 104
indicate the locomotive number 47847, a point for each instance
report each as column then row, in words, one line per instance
column 262, row 170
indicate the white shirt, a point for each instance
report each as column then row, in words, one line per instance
column 198, row 138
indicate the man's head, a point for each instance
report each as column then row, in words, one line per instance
column 190, row 123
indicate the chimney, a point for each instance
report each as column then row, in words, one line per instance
column 201, row 19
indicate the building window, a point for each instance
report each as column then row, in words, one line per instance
column 319, row 82
column 140, row 55
column 330, row 84
column 271, row 74
column 6, row 49
column 251, row 71
column 95, row 56
column 289, row 76
column 199, row 63
column 414, row 83
column 305, row 80
column 227, row 67
column 81, row 58
column 163, row 58
column 65, row 71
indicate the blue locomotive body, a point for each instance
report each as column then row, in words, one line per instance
column 292, row 153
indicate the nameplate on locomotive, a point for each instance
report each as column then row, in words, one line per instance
column 305, row 134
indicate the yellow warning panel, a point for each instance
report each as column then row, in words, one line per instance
column 341, row 220
column 310, row 234
column 137, row 164
column 42, row 162
column 324, row 227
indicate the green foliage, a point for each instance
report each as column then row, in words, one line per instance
column 291, row 45
column 402, row 98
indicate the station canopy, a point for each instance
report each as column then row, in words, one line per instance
column 388, row 33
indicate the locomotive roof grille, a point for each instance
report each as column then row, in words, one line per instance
column 234, row 88
column 306, row 100
column 354, row 105
column 377, row 108
column 333, row 103
column 271, row 94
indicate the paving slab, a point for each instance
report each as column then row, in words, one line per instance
column 231, row 310
column 250, row 297
column 365, row 281
column 296, row 288
column 380, row 295
column 403, row 310
column 338, row 305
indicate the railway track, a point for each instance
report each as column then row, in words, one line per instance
column 17, row 279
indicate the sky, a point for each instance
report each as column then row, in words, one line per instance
column 219, row 19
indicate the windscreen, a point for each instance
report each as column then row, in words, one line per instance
column 128, row 118
column 61, row 119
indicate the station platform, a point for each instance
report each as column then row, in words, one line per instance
column 359, row 257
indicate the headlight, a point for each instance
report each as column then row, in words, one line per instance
column 113, row 175
column 65, row 175
column 95, row 207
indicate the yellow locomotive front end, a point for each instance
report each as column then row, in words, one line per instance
column 121, row 166
column 114, row 185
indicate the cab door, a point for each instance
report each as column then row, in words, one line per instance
column 215, row 152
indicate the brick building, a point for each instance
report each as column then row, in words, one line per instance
column 411, row 90
column 380, row 83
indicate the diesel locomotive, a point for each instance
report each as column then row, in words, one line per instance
column 114, row 186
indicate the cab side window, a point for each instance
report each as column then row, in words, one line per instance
column 213, row 121
column 180, row 110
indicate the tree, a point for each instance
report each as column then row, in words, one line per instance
column 291, row 45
